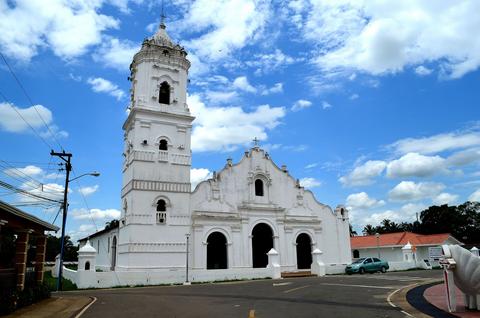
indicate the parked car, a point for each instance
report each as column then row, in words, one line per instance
column 368, row 264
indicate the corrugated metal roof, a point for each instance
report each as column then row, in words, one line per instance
column 24, row 215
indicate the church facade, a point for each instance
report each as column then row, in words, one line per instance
column 229, row 222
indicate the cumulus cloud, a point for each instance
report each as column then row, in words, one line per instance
column 88, row 190
column 379, row 38
column 267, row 62
column 225, row 128
column 415, row 165
column 67, row 28
column 326, row 105
column 240, row 23
column 422, row 70
column 242, row 84
column 11, row 121
column 444, row 198
column 377, row 218
column 301, row 104
column 276, row 88
column 116, row 53
column 199, row 175
column 95, row 214
column 362, row 201
column 30, row 170
column 475, row 196
column 437, row 143
column 411, row 191
column 363, row 174
column 465, row 157
column 101, row 85
column 310, row 182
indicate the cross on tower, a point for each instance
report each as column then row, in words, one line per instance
column 255, row 142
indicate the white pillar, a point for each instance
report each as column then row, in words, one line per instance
column 318, row 267
column 474, row 251
column 273, row 264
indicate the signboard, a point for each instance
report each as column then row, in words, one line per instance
column 435, row 253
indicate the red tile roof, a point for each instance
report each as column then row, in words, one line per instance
column 398, row 239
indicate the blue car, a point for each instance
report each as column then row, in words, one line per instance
column 368, row 264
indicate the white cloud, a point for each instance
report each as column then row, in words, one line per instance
column 437, row 143
column 116, row 53
column 354, row 96
column 311, row 165
column 68, row 28
column 51, row 191
column 377, row 218
column 362, row 201
column 310, row 182
column 464, row 157
column 96, row 214
column 30, row 170
column 12, row 122
column 326, row 105
column 301, row 104
column 199, row 175
column 378, row 37
column 241, row 83
column 266, row 63
column 88, row 190
column 240, row 23
column 411, row 191
column 422, row 70
column 475, row 196
column 225, row 128
column 86, row 228
column 444, row 198
column 101, row 85
column 221, row 97
column 363, row 174
column 415, row 165
column 276, row 88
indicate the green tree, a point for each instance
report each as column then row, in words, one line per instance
column 53, row 249
column 352, row 231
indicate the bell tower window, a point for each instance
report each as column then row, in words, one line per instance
column 163, row 145
column 161, row 211
column 164, row 96
column 259, row 188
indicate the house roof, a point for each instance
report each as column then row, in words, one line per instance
column 399, row 239
column 23, row 218
column 105, row 230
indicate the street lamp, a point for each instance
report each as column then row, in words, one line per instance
column 377, row 235
column 68, row 168
column 186, row 267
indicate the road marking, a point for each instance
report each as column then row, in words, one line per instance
column 389, row 298
column 94, row 299
column 251, row 314
column 294, row 289
column 363, row 286
column 281, row 284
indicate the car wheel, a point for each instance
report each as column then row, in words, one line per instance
column 383, row 269
column 361, row 271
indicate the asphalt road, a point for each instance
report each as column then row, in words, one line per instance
column 329, row 296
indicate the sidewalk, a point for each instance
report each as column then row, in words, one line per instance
column 56, row 306
column 436, row 296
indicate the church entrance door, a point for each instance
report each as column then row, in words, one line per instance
column 304, row 251
column 216, row 251
column 114, row 253
column 262, row 242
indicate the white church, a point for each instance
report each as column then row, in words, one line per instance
column 251, row 219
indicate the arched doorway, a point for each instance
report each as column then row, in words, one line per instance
column 262, row 242
column 304, row 251
column 114, row 253
column 216, row 251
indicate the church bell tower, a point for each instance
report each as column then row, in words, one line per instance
column 157, row 158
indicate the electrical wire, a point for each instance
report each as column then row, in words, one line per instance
column 30, row 100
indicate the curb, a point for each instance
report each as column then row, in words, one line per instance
column 82, row 311
column 398, row 299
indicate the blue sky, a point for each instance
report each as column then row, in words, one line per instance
column 370, row 104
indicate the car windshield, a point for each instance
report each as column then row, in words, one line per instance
column 360, row 260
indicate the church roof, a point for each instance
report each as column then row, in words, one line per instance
column 399, row 239
column 161, row 37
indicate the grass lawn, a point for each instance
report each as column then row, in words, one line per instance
column 51, row 282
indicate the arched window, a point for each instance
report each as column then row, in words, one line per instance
column 259, row 188
column 164, row 96
column 356, row 254
column 87, row 265
column 161, row 211
column 163, row 145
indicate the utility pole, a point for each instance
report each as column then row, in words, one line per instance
column 68, row 167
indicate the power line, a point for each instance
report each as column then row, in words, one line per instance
column 29, row 99
column 20, row 191
column 26, row 122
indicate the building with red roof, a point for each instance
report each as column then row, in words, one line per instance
column 426, row 248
